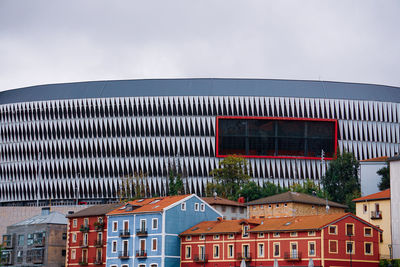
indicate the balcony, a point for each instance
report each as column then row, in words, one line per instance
column 39, row 242
column 98, row 243
column 123, row 255
column 37, row 259
column 292, row 256
column 83, row 244
column 6, row 258
column 376, row 215
column 244, row 256
column 84, row 228
column 200, row 258
column 97, row 261
column 141, row 232
column 141, row 254
column 99, row 226
column 83, row 263
column 124, row 233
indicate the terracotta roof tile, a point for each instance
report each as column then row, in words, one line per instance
column 378, row 159
column 289, row 197
column 385, row 194
column 148, row 205
column 222, row 201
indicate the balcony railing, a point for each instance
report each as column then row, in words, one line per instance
column 83, row 263
column 6, row 258
column 141, row 253
column 37, row 259
column 39, row 242
column 123, row 255
column 292, row 256
column 141, row 232
column 84, row 228
column 124, row 233
column 376, row 214
column 244, row 256
column 98, row 243
column 97, row 261
column 99, row 226
column 83, row 243
column 200, row 258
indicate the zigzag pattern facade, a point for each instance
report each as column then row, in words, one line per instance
column 64, row 148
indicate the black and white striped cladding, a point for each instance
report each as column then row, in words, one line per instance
column 58, row 149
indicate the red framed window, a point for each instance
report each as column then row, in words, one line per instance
column 275, row 137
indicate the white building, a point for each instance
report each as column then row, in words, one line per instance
column 369, row 178
column 395, row 201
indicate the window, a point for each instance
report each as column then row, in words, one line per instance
column 277, row 205
column 241, row 210
column 246, row 251
column 85, row 238
column 154, row 244
column 311, row 233
column 269, row 206
column 202, row 252
column 188, row 252
column 223, row 208
column 114, row 246
column 233, row 209
column 276, row 250
column 368, row 248
column 367, row 231
column 276, row 234
column 333, row 246
column 20, row 255
column 143, row 225
column 311, row 248
column 64, row 236
column 349, row 229
column 274, row 137
column 202, row 207
column 333, row 230
column 21, row 240
column 365, row 208
column 73, row 254
column 260, row 235
column 262, row 207
column 73, row 237
column 115, row 227
column 63, row 252
column 142, row 265
column 154, row 223
column 183, row 206
column 350, row 247
column 216, row 251
column 74, row 223
column 260, row 250
column 202, row 237
column 154, row 265
column 293, row 234
column 245, row 231
column 188, row 238
column 100, row 219
column 230, row 236
column 86, row 221
column 216, row 237
column 230, row 251
column 196, row 206
column 285, row 204
column 125, row 265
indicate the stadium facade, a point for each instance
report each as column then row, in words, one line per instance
column 80, row 141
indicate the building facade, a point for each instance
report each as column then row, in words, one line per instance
column 326, row 240
column 394, row 164
column 375, row 209
column 144, row 233
column 37, row 241
column 369, row 179
column 77, row 142
column 87, row 236
column 291, row 204
column 230, row 210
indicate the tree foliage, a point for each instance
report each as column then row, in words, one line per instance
column 175, row 184
column 309, row 188
column 384, row 173
column 252, row 191
column 341, row 180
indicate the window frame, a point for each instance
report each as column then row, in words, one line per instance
column 188, row 238
column 293, row 234
column 73, row 254
column 233, row 251
column 196, row 206
column 73, row 238
column 330, row 247
column 353, row 247
column 365, row 248
column 152, row 223
column 114, row 226
column 202, row 237
column 202, row 207
column 245, row 231
column 276, row 234
column 261, row 235
column 368, row 228
column 188, row 248
column 183, row 206
column 74, row 223
column 152, row 244
column 353, row 228
column 312, row 233
column 315, row 248
column 112, row 246
column 273, row 249
column 333, row 226
column 231, row 236
column 216, row 248
column 263, row 250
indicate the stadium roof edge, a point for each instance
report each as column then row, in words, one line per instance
column 203, row 87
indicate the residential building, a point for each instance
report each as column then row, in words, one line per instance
column 339, row 239
column 37, row 241
column 375, row 209
column 144, row 232
column 87, row 236
column 230, row 210
column 369, row 179
column 394, row 164
column 291, row 204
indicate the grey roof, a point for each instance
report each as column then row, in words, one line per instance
column 96, row 210
column 52, row 218
column 203, row 87
column 290, row 197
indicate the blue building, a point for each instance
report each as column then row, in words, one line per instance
column 144, row 232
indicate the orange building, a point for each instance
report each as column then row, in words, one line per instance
column 326, row 240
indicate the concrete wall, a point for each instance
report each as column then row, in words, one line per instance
column 369, row 177
column 395, row 208
column 11, row 215
column 231, row 212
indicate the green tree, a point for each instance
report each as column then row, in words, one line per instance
column 252, row 191
column 309, row 188
column 384, row 173
column 175, row 184
column 341, row 180
column 231, row 175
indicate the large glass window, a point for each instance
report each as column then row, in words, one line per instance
column 276, row 137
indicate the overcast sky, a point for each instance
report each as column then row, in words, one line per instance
column 63, row 41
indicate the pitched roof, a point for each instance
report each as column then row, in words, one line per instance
column 385, row 194
column 378, row 159
column 219, row 226
column 222, row 201
column 154, row 204
column 289, row 197
column 96, row 210
column 51, row 218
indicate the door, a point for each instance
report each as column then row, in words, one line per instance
column 246, row 252
column 142, row 225
column 125, row 247
column 126, row 226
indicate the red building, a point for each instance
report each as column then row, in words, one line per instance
column 87, row 236
column 329, row 240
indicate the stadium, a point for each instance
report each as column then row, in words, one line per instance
column 78, row 142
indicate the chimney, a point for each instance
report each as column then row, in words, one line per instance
column 45, row 211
